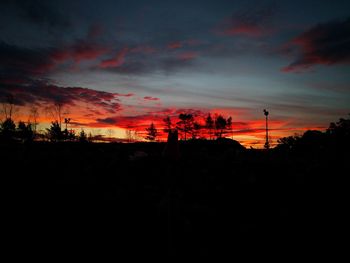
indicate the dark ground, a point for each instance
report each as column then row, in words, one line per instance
column 216, row 200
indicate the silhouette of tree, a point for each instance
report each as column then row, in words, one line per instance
column 25, row 132
column 69, row 135
column 56, row 111
column 185, row 124
column 110, row 133
column 8, row 129
column 168, row 125
column 209, row 124
column 152, row 132
column 220, row 125
column 340, row 128
column 8, row 107
column 196, row 130
column 55, row 133
column 339, row 133
column 289, row 142
column 229, row 126
column 82, row 137
column 33, row 118
column 90, row 137
column 131, row 134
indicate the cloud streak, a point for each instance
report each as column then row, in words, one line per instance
column 251, row 22
column 324, row 44
column 151, row 98
column 116, row 61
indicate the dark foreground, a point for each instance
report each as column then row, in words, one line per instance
column 216, row 200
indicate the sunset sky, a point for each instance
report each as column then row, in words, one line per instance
column 117, row 65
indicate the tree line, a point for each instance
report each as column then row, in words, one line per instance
column 336, row 137
column 189, row 128
column 25, row 132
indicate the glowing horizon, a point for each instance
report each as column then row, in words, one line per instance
column 115, row 65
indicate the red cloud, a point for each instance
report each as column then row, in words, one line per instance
column 78, row 52
column 150, row 98
column 187, row 55
column 174, row 45
column 247, row 30
column 252, row 22
column 324, row 44
column 124, row 95
column 143, row 49
column 117, row 61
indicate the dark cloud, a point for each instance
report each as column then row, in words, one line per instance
column 251, row 22
column 324, row 44
column 181, row 61
column 128, row 61
column 30, row 62
column 24, row 61
column 39, row 12
column 39, row 93
column 78, row 51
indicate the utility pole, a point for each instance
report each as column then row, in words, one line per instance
column 267, row 144
column 66, row 121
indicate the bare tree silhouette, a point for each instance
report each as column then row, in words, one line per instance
column 8, row 107
column 33, row 117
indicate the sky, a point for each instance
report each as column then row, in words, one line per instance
column 120, row 65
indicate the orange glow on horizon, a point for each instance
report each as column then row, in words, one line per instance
column 249, row 133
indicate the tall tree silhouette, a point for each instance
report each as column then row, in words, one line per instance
column 229, row 126
column 33, row 118
column 209, row 124
column 196, row 130
column 152, row 132
column 167, row 124
column 185, row 125
column 220, row 125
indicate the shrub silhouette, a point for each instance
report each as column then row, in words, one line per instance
column 55, row 133
column 8, row 130
column 25, row 132
column 152, row 132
